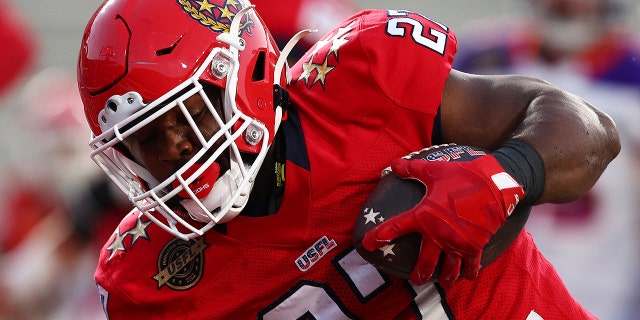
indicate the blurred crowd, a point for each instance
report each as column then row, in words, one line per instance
column 588, row 48
column 57, row 210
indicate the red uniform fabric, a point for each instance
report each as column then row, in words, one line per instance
column 18, row 43
column 365, row 94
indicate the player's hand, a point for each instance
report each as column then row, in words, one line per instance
column 465, row 204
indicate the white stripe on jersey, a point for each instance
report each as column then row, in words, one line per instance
column 429, row 302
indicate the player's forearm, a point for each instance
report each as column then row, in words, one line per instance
column 575, row 141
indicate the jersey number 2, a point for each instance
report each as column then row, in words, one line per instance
column 314, row 300
column 400, row 17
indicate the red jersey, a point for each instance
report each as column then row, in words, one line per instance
column 367, row 93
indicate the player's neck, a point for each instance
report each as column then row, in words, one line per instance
column 268, row 188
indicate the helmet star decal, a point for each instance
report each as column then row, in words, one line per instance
column 314, row 70
column 217, row 18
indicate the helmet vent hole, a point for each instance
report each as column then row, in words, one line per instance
column 165, row 51
column 258, row 71
column 168, row 50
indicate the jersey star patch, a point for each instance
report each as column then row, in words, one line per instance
column 318, row 65
column 136, row 233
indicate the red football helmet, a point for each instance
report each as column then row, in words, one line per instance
column 141, row 59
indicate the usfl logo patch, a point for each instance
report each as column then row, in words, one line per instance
column 181, row 264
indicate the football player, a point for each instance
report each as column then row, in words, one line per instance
column 246, row 177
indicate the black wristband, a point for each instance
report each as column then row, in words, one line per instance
column 523, row 163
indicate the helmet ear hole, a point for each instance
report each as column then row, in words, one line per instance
column 112, row 105
column 259, row 69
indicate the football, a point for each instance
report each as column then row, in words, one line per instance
column 394, row 195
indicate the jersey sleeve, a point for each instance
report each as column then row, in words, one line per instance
column 374, row 84
column 401, row 55
column 411, row 59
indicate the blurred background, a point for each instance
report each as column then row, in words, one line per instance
column 57, row 210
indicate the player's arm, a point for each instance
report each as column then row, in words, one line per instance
column 574, row 140
column 549, row 146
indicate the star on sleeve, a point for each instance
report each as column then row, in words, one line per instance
column 139, row 231
column 117, row 244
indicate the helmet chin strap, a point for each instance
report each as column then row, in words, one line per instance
column 280, row 64
column 284, row 55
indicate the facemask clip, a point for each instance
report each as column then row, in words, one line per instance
column 254, row 133
column 220, row 65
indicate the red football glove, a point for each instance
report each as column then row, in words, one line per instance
column 465, row 204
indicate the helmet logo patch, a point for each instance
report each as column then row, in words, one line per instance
column 215, row 17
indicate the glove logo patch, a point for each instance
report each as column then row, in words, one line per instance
column 450, row 152
column 503, row 181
